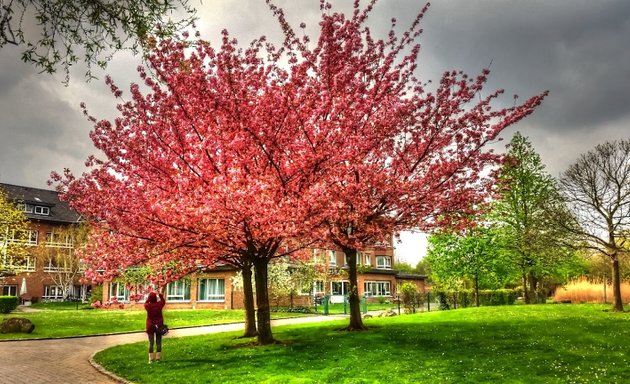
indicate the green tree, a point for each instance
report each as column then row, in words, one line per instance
column 525, row 190
column 477, row 255
column 13, row 235
column 70, row 31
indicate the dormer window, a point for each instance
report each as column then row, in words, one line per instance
column 39, row 210
column 27, row 208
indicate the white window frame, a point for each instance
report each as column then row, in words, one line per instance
column 214, row 291
column 27, row 208
column 345, row 287
column 178, row 291
column 53, row 292
column 55, row 240
column 118, row 291
column 29, row 265
column 332, row 258
column 40, row 210
column 387, row 262
column 368, row 259
column 377, row 288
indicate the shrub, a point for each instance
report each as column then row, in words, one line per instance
column 8, row 303
column 465, row 298
column 295, row 309
column 96, row 294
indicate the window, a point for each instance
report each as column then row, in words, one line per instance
column 39, row 210
column 118, row 291
column 377, row 288
column 383, row 262
column 53, row 292
column 339, row 287
column 58, row 240
column 28, row 208
column 368, row 259
column 27, row 264
column 317, row 256
column 56, row 265
column 178, row 291
column 318, row 286
column 212, row 290
column 9, row 290
column 332, row 258
column 29, row 237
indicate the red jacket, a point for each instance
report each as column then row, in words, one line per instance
column 154, row 312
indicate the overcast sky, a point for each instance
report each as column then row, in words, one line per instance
column 576, row 49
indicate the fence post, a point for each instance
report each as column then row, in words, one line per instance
column 326, row 305
column 345, row 305
column 429, row 301
column 364, row 303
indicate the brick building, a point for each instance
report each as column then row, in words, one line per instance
column 48, row 217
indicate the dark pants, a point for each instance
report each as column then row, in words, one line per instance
column 158, row 339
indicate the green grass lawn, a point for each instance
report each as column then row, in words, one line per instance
column 63, row 320
column 512, row 344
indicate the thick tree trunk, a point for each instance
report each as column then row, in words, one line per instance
column 356, row 321
column 262, row 300
column 248, row 302
column 616, row 284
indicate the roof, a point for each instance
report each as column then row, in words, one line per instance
column 60, row 211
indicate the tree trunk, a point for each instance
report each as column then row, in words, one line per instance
column 248, row 302
column 616, row 284
column 533, row 294
column 526, row 297
column 477, row 291
column 356, row 321
column 262, row 300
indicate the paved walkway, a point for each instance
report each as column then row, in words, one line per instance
column 67, row 360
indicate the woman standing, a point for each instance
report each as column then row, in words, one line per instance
column 154, row 306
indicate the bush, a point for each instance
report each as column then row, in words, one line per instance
column 8, row 303
column 466, row 298
column 497, row 297
column 96, row 294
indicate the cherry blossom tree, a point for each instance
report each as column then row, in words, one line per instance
column 257, row 152
column 404, row 156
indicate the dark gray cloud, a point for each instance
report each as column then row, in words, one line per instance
column 576, row 49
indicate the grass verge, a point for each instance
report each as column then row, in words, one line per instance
column 512, row 344
column 65, row 321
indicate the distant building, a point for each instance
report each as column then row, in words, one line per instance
column 47, row 216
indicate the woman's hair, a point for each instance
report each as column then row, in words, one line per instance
column 152, row 298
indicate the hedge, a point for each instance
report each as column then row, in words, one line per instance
column 449, row 299
column 8, row 303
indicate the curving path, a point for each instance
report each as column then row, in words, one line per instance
column 67, row 360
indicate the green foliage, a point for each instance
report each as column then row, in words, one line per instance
column 402, row 266
column 96, row 293
column 13, row 226
column 451, row 299
column 8, row 303
column 511, row 344
column 410, row 297
column 66, row 32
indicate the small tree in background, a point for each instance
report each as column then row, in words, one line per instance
column 59, row 256
column 13, row 235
